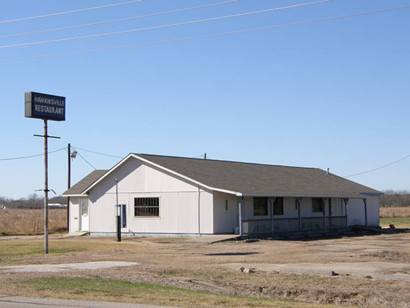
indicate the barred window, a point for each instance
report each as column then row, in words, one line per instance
column 146, row 207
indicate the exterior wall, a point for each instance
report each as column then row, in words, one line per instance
column 179, row 202
column 356, row 212
column 225, row 220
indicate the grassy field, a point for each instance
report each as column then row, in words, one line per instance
column 398, row 222
column 30, row 222
column 196, row 272
column 125, row 291
column 398, row 216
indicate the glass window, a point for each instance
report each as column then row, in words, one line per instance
column 146, row 207
column 278, row 206
column 318, row 205
column 260, row 206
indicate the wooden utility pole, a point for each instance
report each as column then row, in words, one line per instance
column 45, row 187
column 68, row 184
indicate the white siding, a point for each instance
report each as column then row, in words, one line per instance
column 225, row 220
column 178, row 202
column 356, row 212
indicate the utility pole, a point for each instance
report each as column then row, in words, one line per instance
column 46, row 190
column 68, row 184
column 45, row 107
column 118, row 212
column 45, row 187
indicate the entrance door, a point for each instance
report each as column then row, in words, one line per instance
column 123, row 216
column 84, row 217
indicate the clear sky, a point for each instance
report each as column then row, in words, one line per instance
column 331, row 93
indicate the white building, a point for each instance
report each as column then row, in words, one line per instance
column 176, row 195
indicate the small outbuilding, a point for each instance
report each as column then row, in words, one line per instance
column 177, row 195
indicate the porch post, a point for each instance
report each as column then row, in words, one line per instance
column 346, row 200
column 324, row 214
column 240, row 201
column 330, row 212
column 272, row 205
column 299, row 216
column 365, row 211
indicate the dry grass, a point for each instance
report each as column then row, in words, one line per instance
column 30, row 222
column 394, row 212
column 200, row 273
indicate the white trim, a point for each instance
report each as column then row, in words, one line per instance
column 162, row 168
column 75, row 195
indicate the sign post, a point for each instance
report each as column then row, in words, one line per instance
column 45, row 107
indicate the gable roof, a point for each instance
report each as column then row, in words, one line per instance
column 80, row 187
column 251, row 179
column 242, row 179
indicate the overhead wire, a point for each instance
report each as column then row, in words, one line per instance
column 68, row 12
column 104, row 22
column 379, row 168
column 238, row 31
column 87, row 162
column 164, row 26
column 31, row 156
column 98, row 153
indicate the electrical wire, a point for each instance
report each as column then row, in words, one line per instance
column 233, row 32
column 31, row 156
column 9, row 21
column 380, row 168
column 84, row 159
column 98, row 153
column 163, row 26
column 98, row 23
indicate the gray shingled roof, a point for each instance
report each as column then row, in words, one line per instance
column 260, row 179
column 86, row 182
column 249, row 179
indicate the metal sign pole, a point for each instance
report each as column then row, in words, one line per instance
column 45, row 187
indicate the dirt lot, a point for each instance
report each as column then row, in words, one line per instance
column 368, row 271
column 28, row 222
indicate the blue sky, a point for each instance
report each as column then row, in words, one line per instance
column 331, row 94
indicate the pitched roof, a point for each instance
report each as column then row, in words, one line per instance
column 252, row 179
column 86, row 182
column 247, row 179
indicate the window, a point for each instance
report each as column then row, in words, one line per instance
column 278, row 206
column 318, row 205
column 146, row 207
column 260, row 206
column 226, row 205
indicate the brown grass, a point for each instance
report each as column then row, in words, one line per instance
column 394, row 212
column 30, row 222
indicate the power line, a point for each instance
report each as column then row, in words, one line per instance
column 239, row 31
column 183, row 9
column 163, row 26
column 31, row 156
column 9, row 21
column 98, row 153
column 381, row 167
column 84, row 159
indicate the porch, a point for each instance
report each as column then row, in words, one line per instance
column 279, row 215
